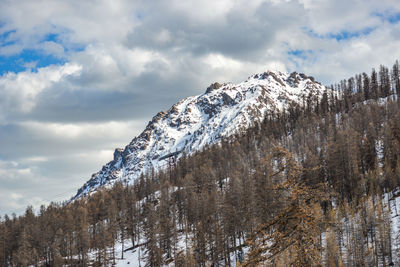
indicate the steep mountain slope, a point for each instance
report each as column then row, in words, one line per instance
column 192, row 123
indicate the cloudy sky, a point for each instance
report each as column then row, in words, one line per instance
column 80, row 78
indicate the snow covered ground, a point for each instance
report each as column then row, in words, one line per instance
column 131, row 257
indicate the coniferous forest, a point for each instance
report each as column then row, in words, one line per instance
column 313, row 185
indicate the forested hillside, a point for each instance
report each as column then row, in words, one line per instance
column 313, row 185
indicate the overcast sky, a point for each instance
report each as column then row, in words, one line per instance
column 80, row 78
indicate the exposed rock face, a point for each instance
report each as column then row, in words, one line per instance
column 212, row 87
column 192, row 123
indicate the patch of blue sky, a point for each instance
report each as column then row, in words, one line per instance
column 341, row 35
column 391, row 17
column 299, row 53
column 301, row 56
column 53, row 37
column 5, row 38
column 32, row 59
column 68, row 47
column 28, row 60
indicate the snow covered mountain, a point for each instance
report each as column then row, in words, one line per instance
column 192, row 123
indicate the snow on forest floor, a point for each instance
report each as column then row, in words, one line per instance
column 394, row 204
column 136, row 257
column 131, row 257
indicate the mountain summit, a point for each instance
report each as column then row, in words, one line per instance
column 192, row 123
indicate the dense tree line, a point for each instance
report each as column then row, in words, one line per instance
column 303, row 188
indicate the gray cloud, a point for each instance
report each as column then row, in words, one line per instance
column 239, row 33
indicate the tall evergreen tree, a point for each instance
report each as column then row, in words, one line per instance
column 374, row 85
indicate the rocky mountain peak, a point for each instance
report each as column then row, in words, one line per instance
column 192, row 123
